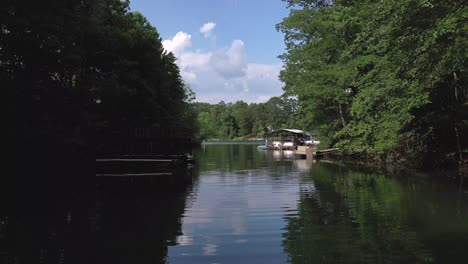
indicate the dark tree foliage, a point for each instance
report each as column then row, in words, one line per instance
column 76, row 72
column 381, row 79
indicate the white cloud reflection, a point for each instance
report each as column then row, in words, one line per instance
column 210, row 249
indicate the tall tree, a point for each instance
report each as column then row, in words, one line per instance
column 75, row 71
column 380, row 79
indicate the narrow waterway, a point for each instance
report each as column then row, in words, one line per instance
column 250, row 206
column 245, row 206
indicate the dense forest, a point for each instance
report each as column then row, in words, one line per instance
column 241, row 120
column 76, row 73
column 385, row 80
column 379, row 79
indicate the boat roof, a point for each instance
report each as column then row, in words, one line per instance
column 290, row 130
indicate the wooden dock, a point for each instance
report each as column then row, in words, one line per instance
column 143, row 172
column 324, row 151
column 307, row 152
column 310, row 152
column 135, row 160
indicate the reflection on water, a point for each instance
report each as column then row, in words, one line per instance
column 245, row 206
column 357, row 217
column 303, row 165
column 46, row 226
column 136, row 228
column 265, row 207
column 58, row 226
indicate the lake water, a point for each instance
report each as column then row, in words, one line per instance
column 247, row 206
column 250, row 206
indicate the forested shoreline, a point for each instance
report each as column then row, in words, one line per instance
column 76, row 73
column 381, row 80
column 241, row 120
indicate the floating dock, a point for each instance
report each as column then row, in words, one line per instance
column 144, row 172
column 305, row 152
column 311, row 152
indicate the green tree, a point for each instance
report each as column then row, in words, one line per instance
column 229, row 127
column 243, row 117
column 205, row 123
column 75, row 72
column 380, row 79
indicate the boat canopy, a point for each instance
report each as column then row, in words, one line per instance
column 291, row 131
column 288, row 138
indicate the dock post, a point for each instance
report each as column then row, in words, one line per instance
column 310, row 153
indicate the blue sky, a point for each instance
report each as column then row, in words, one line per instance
column 227, row 49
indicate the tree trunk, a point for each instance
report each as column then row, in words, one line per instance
column 343, row 122
column 460, row 156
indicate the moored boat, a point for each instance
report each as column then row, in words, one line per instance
column 290, row 139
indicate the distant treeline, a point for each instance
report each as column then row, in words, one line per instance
column 381, row 79
column 76, row 72
column 241, row 120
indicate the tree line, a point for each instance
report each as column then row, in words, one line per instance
column 242, row 120
column 381, row 79
column 76, row 72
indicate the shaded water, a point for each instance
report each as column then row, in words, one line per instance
column 245, row 206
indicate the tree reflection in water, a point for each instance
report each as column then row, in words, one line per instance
column 138, row 227
column 358, row 217
column 58, row 225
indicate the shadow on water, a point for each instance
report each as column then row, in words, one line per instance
column 137, row 227
column 349, row 216
column 47, row 225
column 65, row 224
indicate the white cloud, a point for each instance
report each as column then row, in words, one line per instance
column 223, row 74
column 195, row 60
column 265, row 78
column 229, row 62
column 178, row 43
column 263, row 71
column 207, row 28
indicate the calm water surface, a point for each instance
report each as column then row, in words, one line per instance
column 250, row 206
column 246, row 206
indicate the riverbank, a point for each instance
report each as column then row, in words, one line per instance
column 456, row 174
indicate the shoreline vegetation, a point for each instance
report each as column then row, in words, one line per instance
column 382, row 81
column 87, row 78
